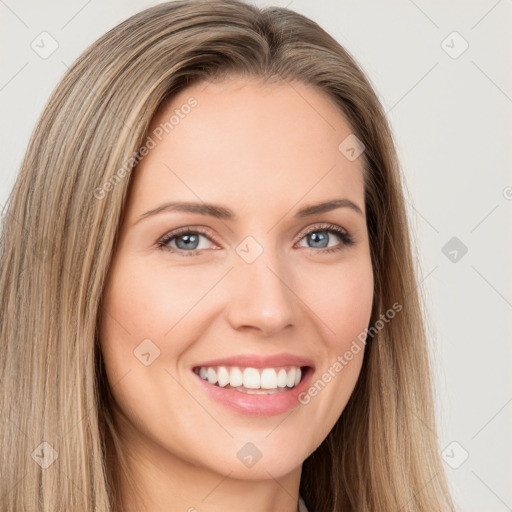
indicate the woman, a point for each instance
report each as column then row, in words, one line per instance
column 208, row 291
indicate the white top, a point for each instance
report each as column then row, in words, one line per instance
column 302, row 505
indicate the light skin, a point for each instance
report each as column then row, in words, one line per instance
column 264, row 152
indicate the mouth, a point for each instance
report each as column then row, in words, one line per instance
column 253, row 385
column 251, row 380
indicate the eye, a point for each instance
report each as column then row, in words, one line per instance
column 187, row 241
column 320, row 236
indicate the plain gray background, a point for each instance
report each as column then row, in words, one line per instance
column 450, row 109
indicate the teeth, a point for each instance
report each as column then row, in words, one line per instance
column 282, row 378
column 252, row 380
column 212, row 376
column 222, row 376
column 291, row 378
column 236, row 377
column 297, row 376
column 268, row 379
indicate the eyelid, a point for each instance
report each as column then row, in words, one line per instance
column 325, row 226
column 187, row 229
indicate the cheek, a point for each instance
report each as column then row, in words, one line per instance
column 147, row 309
column 341, row 297
column 136, row 308
column 343, row 305
column 145, row 301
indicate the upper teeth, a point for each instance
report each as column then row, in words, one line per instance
column 252, row 378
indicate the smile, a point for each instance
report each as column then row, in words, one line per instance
column 252, row 380
column 255, row 384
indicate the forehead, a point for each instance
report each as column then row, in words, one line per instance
column 243, row 141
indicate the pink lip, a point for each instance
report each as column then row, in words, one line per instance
column 259, row 405
column 256, row 361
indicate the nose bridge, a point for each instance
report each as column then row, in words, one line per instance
column 261, row 292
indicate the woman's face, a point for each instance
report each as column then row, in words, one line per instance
column 251, row 288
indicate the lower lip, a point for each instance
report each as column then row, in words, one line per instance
column 259, row 405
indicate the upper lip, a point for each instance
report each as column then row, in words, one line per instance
column 258, row 361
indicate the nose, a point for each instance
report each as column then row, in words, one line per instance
column 262, row 297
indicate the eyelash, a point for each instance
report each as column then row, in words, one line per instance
column 346, row 238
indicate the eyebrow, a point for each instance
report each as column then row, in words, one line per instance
column 221, row 212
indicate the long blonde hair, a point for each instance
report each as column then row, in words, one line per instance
column 59, row 233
